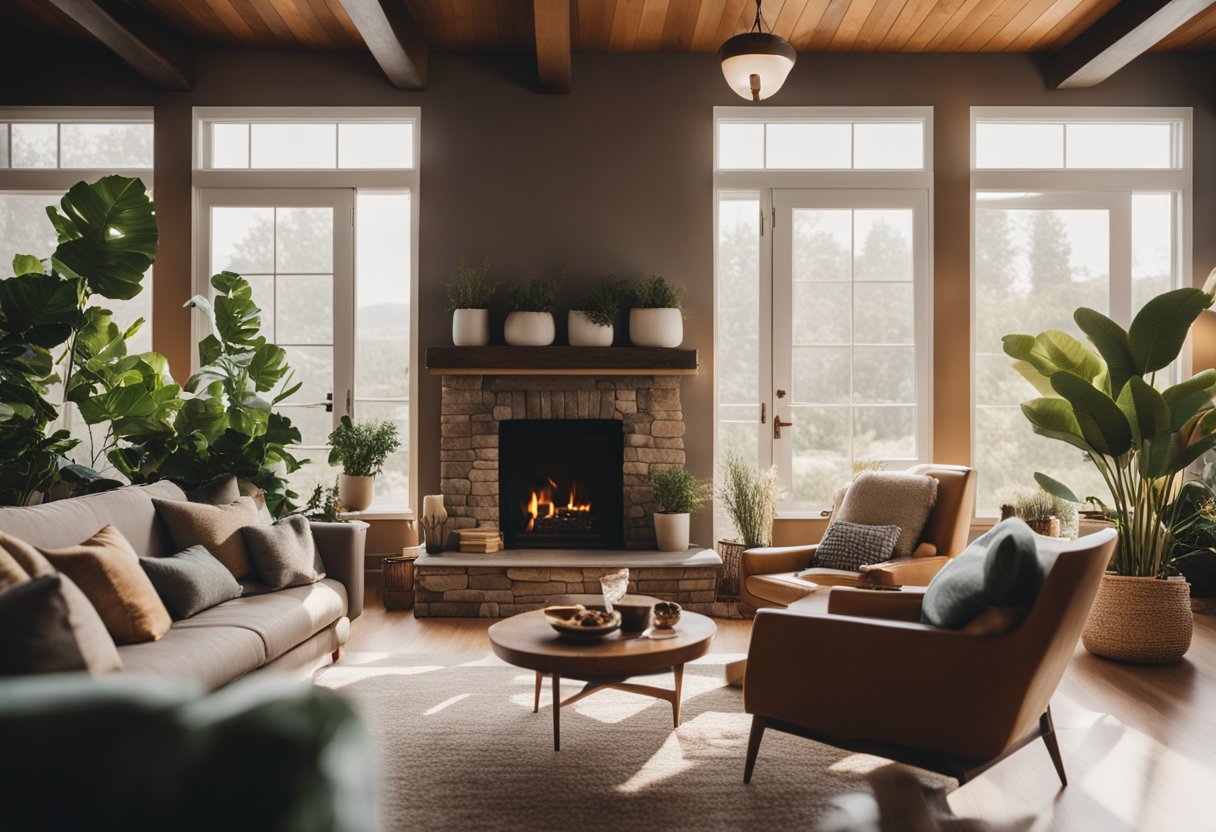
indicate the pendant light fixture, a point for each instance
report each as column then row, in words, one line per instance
column 756, row 63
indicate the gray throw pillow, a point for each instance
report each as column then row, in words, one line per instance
column 191, row 581
column 284, row 554
column 853, row 545
column 220, row 491
column 999, row 569
column 37, row 629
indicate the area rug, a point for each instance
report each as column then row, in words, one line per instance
column 460, row 749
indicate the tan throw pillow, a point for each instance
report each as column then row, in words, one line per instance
column 11, row 572
column 218, row 528
column 284, row 554
column 107, row 570
column 92, row 640
column 891, row 498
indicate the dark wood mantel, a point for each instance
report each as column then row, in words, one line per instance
column 564, row 361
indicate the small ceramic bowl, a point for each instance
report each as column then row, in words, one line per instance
column 666, row 614
column 563, row 619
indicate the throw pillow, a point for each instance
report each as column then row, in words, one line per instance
column 891, row 498
column 190, row 581
column 284, row 554
column 93, row 641
column 218, row 492
column 11, row 572
column 216, row 527
column 106, row 569
column 852, row 545
column 37, row 629
column 999, row 569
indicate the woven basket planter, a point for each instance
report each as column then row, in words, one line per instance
column 1141, row 620
column 732, row 555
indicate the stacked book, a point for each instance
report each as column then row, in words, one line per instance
column 484, row 540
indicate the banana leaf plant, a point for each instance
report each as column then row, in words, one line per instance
column 1105, row 402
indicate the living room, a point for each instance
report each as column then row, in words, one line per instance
column 739, row 361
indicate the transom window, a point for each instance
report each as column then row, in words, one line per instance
column 45, row 140
column 790, row 139
column 364, row 140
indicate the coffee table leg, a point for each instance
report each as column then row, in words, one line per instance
column 540, row 678
column 675, row 703
column 557, row 712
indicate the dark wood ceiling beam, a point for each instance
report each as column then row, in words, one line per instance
column 1124, row 33
column 395, row 41
column 551, row 20
column 145, row 46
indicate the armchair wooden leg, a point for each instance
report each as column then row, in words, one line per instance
column 1048, row 729
column 753, row 747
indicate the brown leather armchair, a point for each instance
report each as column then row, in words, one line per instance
column 867, row 677
column 767, row 579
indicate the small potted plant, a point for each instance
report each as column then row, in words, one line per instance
column 750, row 499
column 655, row 319
column 530, row 313
column 470, row 293
column 590, row 323
column 1045, row 513
column 361, row 451
column 678, row 494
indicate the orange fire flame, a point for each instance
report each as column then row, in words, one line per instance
column 545, row 504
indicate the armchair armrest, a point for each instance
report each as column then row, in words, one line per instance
column 770, row 560
column 341, row 546
column 904, row 571
column 869, row 603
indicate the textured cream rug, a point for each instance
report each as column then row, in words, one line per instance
column 460, row 749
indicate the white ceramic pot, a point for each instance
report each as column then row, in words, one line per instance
column 471, row 327
column 530, row 329
column 584, row 332
column 671, row 531
column 656, row 327
column 355, row 493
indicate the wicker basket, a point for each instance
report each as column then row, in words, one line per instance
column 732, row 553
column 398, row 589
column 1141, row 620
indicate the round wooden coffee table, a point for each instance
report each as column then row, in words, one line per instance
column 527, row 641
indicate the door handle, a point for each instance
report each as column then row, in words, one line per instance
column 763, row 413
column 778, row 425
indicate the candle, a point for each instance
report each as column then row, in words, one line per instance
column 432, row 506
column 411, row 534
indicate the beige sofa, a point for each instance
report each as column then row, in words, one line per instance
column 296, row 629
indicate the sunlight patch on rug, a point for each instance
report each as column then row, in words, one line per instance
column 709, row 735
column 445, row 704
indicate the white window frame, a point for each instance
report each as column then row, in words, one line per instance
column 762, row 183
column 37, row 179
column 1069, row 186
column 254, row 179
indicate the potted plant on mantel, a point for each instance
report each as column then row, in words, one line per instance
column 1141, row 440
column 470, row 294
column 530, row 313
column 656, row 319
column 678, row 494
column 750, row 499
column 591, row 322
column 361, row 450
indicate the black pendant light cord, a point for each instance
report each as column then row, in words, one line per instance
column 758, row 26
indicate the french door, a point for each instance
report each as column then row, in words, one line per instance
column 296, row 249
column 848, row 385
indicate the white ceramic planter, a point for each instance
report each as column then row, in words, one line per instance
column 656, row 327
column 583, row 332
column 671, row 531
column 529, row 329
column 355, row 493
column 471, row 327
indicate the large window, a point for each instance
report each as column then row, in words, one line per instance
column 823, row 283
column 318, row 210
column 1072, row 207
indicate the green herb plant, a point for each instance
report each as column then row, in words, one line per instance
column 656, row 293
column 539, row 295
column 471, row 287
column 361, row 449
column 677, row 491
column 750, row 498
column 602, row 302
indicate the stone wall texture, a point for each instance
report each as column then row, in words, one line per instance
column 472, row 406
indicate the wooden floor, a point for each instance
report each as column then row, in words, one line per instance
column 1139, row 743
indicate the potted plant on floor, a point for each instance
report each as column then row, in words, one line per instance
column 591, row 322
column 361, row 450
column 470, row 294
column 750, row 499
column 678, row 494
column 1141, row 440
column 656, row 319
column 530, row 313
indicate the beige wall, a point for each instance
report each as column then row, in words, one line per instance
column 617, row 175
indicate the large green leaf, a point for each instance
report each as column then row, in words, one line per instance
column 1112, row 343
column 1054, row 418
column 1053, row 486
column 267, row 366
column 27, row 264
column 41, row 309
column 1160, row 327
column 1102, row 422
column 107, row 235
column 1186, row 398
column 1070, row 355
column 1145, row 409
column 1026, row 348
column 1040, row 382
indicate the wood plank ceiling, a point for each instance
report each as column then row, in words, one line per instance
column 649, row 25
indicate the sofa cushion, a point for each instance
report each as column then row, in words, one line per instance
column 850, row 546
column 284, row 554
column 783, row 589
column 92, row 640
column 38, row 635
column 890, row 498
column 999, row 569
column 10, row 571
column 221, row 491
column 211, row 656
column 106, row 569
column 216, row 527
column 281, row 619
column 190, row 581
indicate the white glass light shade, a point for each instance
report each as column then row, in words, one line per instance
column 756, row 64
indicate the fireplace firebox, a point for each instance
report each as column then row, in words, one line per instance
column 560, row 483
